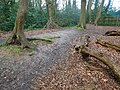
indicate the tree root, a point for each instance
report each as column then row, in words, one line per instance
column 42, row 39
column 51, row 25
column 49, row 39
column 112, row 33
column 109, row 45
column 17, row 39
column 14, row 41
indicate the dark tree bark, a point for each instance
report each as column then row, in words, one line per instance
column 82, row 22
column 99, row 12
column 17, row 35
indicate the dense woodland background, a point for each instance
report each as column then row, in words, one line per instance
column 66, row 16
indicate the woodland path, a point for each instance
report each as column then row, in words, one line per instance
column 19, row 72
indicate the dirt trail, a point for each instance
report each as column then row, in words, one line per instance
column 18, row 72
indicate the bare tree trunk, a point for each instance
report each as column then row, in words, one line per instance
column 55, row 9
column 41, row 9
column 89, row 11
column 69, row 4
column 17, row 36
column 106, row 10
column 95, row 8
column 74, row 4
column 99, row 12
column 51, row 14
column 82, row 22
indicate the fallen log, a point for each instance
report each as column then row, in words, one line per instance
column 109, row 45
column 82, row 47
column 112, row 33
column 104, row 59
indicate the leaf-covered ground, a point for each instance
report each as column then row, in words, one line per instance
column 74, row 73
column 53, row 66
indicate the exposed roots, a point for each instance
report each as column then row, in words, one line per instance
column 17, row 39
column 51, row 25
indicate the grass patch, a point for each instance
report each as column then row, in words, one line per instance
column 17, row 50
column 79, row 28
column 71, row 27
column 11, row 48
column 74, row 27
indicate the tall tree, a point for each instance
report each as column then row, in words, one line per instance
column 89, row 11
column 69, row 4
column 51, row 14
column 106, row 10
column 41, row 9
column 82, row 22
column 17, row 35
column 96, row 8
column 99, row 12
column 74, row 4
column 66, row 5
column 55, row 8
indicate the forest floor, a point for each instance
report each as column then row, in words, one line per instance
column 53, row 66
